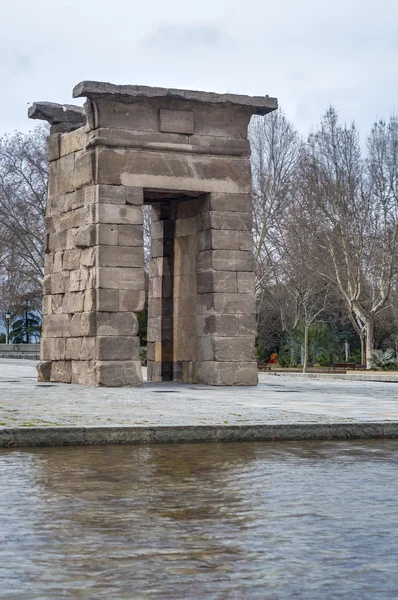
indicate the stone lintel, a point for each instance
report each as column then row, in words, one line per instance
column 69, row 115
column 260, row 105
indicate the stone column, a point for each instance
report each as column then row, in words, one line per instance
column 94, row 273
column 185, row 289
column 160, row 294
column 226, row 303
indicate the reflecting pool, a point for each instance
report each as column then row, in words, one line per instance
column 223, row 521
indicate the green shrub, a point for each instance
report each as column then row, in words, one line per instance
column 260, row 352
column 384, row 360
column 143, row 353
column 284, row 361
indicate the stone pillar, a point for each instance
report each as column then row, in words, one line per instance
column 226, row 324
column 160, row 294
column 184, row 290
column 94, row 265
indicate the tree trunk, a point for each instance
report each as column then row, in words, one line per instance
column 346, row 351
column 293, row 354
column 369, row 342
column 362, row 339
column 305, row 360
column 26, row 326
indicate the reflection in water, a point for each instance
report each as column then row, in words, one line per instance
column 307, row 521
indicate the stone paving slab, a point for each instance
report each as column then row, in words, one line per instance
column 284, row 407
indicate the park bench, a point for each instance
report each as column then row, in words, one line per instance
column 262, row 366
column 346, row 366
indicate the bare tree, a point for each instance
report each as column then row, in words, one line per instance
column 275, row 147
column 352, row 207
column 23, row 194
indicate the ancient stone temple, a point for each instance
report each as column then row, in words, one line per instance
column 186, row 154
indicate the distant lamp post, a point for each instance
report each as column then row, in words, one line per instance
column 8, row 317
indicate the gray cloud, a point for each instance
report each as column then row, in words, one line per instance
column 184, row 36
column 308, row 54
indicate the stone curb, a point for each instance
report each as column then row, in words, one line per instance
column 24, row 437
column 342, row 376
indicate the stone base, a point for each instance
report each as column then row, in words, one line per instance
column 227, row 373
column 44, row 371
column 92, row 373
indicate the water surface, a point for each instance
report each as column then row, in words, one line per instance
column 222, row 521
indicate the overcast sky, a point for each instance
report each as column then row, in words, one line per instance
column 307, row 53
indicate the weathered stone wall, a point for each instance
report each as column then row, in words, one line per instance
column 187, row 154
column 94, row 282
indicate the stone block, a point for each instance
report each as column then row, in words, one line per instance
column 188, row 208
column 73, row 302
column 245, row 282
column 227, row 373
column 43, row 369
column 56, row 303
column 47, row 284
column 187, row 226
column 246, row 241
column 121, row 278
column 225, row 348
column 116, row 214
column 225, row 260
column 229, row 202
column 120, row 256
column 216, row 281
column 241, row 221
column 117, row 324
column 119, row 373
column 84, row 237
column 53, row 349
column 83, row 324
column 224, row 304
column 218, row 239
column 247, row 325
column 47, row 305
column 57, row 264
column 184, row 285
column 134, row 195
column 85, row 167
column 61, row 371
column 118, row 348
column 174, row 171
column 81, row 279
column 84, row 372
column 88, row 346
column 71, row 142
column 150, row 351
column 131, row 300
column 56, row 326
column 88, row 257
column 107, row 300
column 49, row 262
column 73, row 348
column 61, row 180
column 160, row 287
column 71, row 259
column 176, row 121
column 218, row 325
column 130, row 235
column 80, row 217
column 59, row 283
column 107, row 235
column 53, row 147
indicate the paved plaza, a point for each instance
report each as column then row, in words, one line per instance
column 276, row 401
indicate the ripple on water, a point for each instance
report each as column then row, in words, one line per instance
column 307, row 521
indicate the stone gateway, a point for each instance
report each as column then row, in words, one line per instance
column 187, row 155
